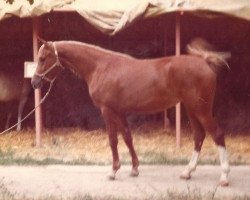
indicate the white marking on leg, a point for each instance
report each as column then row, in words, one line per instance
column 186, row 174
column 223, row 159
column 224, row 165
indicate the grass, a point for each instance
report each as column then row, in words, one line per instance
column 74, row 146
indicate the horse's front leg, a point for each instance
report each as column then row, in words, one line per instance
column 113, row 140
column 109, row 118
column 126, row 133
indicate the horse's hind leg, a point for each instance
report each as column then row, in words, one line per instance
column 21, row 105
column 9, row 109
column 199, row 136
column 110, row 121
column 7, row 124
column 218, row 137
column 126, row 133
column 23, row 99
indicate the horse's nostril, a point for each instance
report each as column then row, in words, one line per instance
column 36, row 82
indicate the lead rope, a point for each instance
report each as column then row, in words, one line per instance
column 32, row 111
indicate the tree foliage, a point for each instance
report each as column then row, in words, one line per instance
column 12, row 1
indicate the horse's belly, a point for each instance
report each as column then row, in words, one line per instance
column 151, row 105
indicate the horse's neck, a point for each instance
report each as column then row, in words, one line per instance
column 80, row 59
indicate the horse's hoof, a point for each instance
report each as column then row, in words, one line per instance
column 224, row 183
column 134, row 173
column 185, row 176
column 111, row 176
column 224, row 180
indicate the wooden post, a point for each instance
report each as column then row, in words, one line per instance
column 177, row 53
column 38, row 111
column 166, row 120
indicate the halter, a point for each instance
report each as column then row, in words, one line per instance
column 57, row 63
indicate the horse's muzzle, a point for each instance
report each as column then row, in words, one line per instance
column 36, row 82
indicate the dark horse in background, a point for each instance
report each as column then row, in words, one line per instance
column 14, row 90
column 120, row 84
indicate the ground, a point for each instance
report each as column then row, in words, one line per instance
column 73, row 164
column 154, row 182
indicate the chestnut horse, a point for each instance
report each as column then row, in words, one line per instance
column 120, row 84
column 14, row 89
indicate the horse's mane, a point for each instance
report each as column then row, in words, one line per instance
column 98, row 48
column 202, row 48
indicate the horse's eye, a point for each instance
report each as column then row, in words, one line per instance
column 42, row 59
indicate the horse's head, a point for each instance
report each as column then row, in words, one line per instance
column 48, row 65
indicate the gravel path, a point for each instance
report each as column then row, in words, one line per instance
column 154, row 181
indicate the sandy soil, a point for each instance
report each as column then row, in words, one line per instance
column 153, row 181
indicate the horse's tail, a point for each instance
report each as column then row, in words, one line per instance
column 202, row 48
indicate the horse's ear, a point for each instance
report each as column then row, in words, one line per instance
column 43, row 41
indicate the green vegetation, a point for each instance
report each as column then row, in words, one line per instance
column 9, row 157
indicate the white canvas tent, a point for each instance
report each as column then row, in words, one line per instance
column 112, row 16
